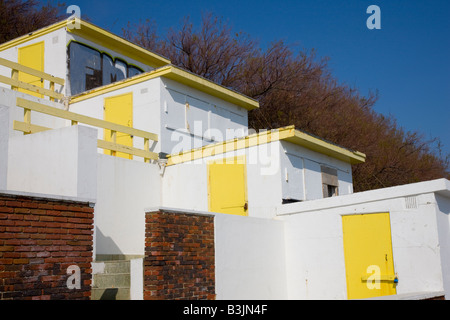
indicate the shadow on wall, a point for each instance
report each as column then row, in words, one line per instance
column 106, row 248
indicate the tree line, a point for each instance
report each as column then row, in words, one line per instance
column 293, row 88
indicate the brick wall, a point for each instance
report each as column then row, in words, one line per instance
column 39, row 240
column 179, row 257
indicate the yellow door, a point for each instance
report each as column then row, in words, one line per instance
column 227, row 186
column 369, row 262
column 32, row 56
column 119, row 110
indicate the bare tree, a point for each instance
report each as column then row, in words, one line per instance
column 19, row 17
column 298, row 88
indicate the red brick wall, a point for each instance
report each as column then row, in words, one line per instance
column 39, row 239
column 179, row 257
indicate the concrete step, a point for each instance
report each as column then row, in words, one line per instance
column 110, row 294
column 121, row 266
column 111, row 280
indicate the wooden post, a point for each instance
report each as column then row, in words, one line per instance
column 146, row 148
column 52, row 87
column 26, row 117
column 14, row 76
column 113, row 139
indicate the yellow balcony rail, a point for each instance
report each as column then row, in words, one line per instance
column 27, row 128
column 15, row 83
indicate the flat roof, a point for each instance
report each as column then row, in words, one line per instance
column 438, row 186
column 289, row 134
column 122, row 46
column 325, row 147
column 181, row 76
column 97, row 35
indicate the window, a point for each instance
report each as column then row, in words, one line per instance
column 331, row 191
column 330, row 185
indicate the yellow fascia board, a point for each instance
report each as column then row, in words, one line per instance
column 231, row 145
column 99, row 36
column 329, row 149
column 118, row 44
column 288, row 133
column 32, row 35
column 197, row 82
column 120, row 84
column 178, row 75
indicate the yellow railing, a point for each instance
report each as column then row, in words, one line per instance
column 75, row 118
column 15, row 83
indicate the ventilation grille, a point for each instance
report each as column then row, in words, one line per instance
column 411, row 202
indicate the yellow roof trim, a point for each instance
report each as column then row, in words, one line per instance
column 179, row 75
column 120, row 84
column 319, row 145
column 99, row 36
column 286, row 134
column 230, row 145
column 32, row 35
column 118, row 44
column 214, row 89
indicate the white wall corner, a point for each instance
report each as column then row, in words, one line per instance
column 87, row 162
column 137, row 279
column 4, row 145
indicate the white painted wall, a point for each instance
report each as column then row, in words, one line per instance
column 207, row 120
column 54, row 56
column 304, row 174
column 146, row 108
column 160, row 109
column 137, row 279
column 4, row 145
column 9, row 97
column 443, row 222
column 55, row 62
column 250, row 258
column 124, row 189
column 185, row 185
column 314, row 240
column 59, row 162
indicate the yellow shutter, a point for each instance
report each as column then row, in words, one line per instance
column 369, row 261
column 227, row 187
column 119, row 110
column 32, row 56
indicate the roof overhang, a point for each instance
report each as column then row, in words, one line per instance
column 181, row 76
column 289, row 134
column 118, row 44
column 97, row 35
column 321, row 146
column 32, row 35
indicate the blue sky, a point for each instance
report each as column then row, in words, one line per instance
column 407, row 60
